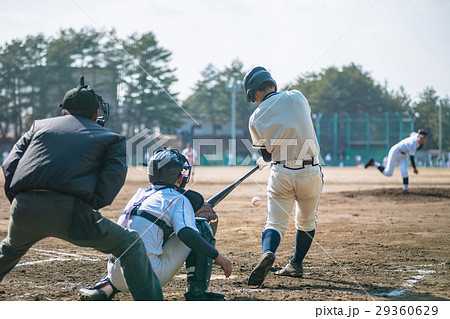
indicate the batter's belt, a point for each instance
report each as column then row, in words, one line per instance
column 298, row 164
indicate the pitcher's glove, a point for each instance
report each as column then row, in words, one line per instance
column 210, row 215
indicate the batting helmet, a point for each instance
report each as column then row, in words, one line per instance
column 253, row 79
column 165, row 166
column 83, row 100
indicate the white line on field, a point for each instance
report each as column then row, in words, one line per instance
column 66, row 254
column 213, row 277
column 29, row 263
column 75, row 257
column 409, row 283
column 252, row 290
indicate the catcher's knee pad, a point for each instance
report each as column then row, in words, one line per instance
column 198, row 266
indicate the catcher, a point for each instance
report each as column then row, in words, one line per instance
column 163, row 216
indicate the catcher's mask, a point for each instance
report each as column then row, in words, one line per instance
column 84, row 101
column 165, row 166
column 253, row 79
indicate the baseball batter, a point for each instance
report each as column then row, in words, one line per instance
column 153, row 213
column 398, row 155
column 282, row 129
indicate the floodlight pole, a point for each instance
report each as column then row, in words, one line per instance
column 233, row 122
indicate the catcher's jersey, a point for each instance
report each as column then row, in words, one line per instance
column 408, row 145
column 175, row 209
column 282, row 125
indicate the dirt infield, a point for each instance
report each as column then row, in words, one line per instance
column 372, row 242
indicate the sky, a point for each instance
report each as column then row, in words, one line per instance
column 398, row 42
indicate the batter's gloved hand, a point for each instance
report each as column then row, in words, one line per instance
column 210, row 215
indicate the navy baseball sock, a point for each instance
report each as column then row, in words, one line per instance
column 381, row 168
column 303, row 241
column 405, row 182
column 270, row 240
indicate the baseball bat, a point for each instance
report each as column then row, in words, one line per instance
column 216, row 199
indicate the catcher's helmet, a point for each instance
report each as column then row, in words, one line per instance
column 253, row 79
column 84, row 99
column 165, row 166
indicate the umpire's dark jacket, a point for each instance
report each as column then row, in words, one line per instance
column 68, row 154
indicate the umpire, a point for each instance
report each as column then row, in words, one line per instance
column 58, row 175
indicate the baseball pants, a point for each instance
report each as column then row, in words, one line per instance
column 288, row 186
column 395, row 157
column 165, row 265
column 37, row 216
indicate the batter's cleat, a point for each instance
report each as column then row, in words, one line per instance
column 369, row 163
column 259, row 273
column 291, row 269
column 92, row 294
column 207, row 296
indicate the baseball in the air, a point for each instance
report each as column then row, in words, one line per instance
column 256, row 201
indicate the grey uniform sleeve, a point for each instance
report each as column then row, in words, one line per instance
column 195, row 242
column 10, row 165
column 112, row 175
column 257, row 140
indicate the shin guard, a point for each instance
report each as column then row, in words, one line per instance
column 198, row 266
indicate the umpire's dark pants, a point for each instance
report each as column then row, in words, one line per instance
column 36, row 215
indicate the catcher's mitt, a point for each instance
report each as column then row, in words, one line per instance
column 210, row 215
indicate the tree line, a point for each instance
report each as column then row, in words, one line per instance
column 350, row 89
column 38, row 69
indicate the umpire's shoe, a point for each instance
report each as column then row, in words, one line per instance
column 291, row 269
column 259, row 273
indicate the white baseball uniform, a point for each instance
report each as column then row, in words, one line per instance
column 398, row 154
column 282, row 125
column 191, row 156
column 166, row 258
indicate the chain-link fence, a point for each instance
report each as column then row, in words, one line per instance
column 346, row 139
